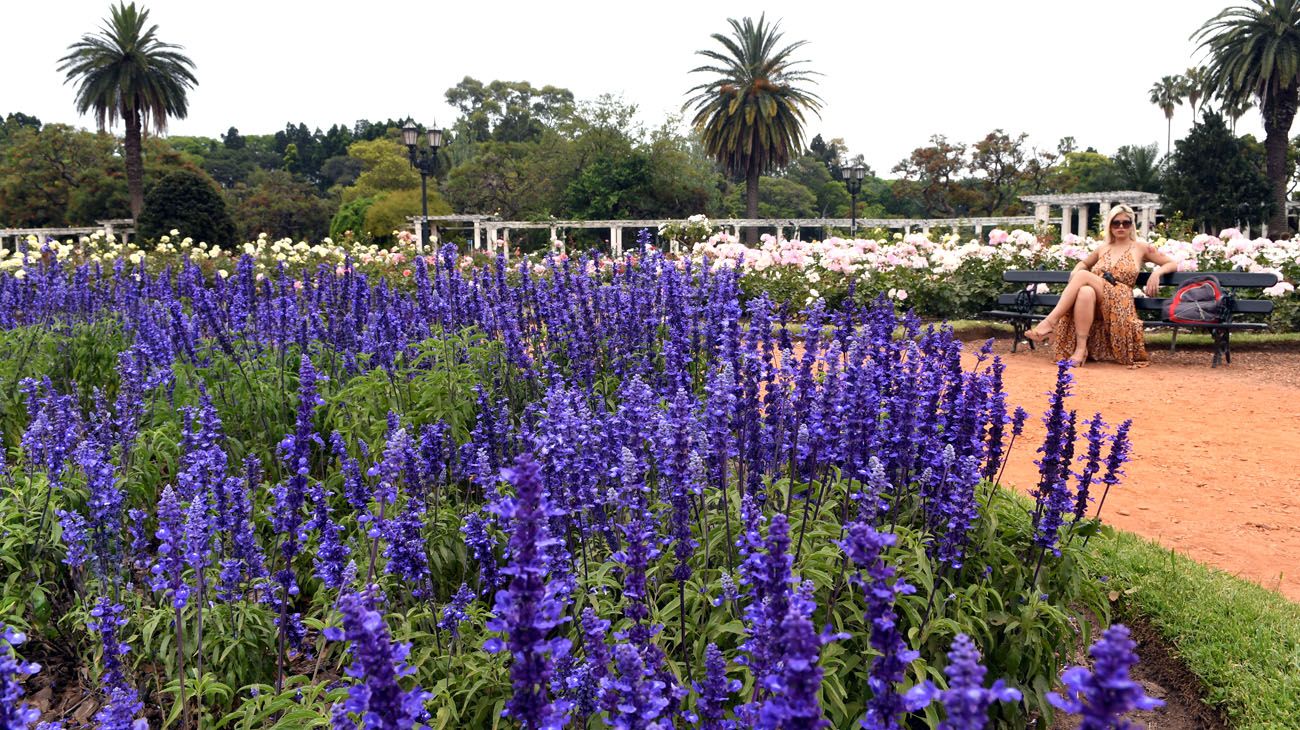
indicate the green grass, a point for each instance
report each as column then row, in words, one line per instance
column 1243, row 641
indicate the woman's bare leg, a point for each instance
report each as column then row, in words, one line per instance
column 1078, row 280
column 1085, row 311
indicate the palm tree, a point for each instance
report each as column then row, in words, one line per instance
column 125, row 72
column 1166, row 93
column 751, row 114
column 1139, row 167
column 1195, row 87
column 1254, row 53
column 1235, row 111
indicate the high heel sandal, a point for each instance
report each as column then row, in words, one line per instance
column 1078, row 363
column 1038, row 338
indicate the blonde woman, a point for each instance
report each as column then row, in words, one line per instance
column 1095, row 318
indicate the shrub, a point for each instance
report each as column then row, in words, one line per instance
column 190, row 202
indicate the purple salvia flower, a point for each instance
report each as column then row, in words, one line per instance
column 997, row 417
column 332, row 552
column 245, row 561
column 1119, row 450
column 1091, row 465
column 454, row 613
column 967, row 700
column 865, row 547
column 404, row 549
column 1018, row 419
column 1106, row 693
column 53, row 428
column 106, row 502
column 199, row 528
column 14, row 713
column 122, row 703
column 589, row 696
column 290, row 496
column 377, row 664
column 766, row 573
column 76, row 538
column 482, row 547
column 168, row 570
column 636, row 695
column 715, row 692
column 795, row 685
column 527, row 610
column 354, row 486
column 676, row 480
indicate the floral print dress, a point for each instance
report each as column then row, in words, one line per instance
column 1116, row 333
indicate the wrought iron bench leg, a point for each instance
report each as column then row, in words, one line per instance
column 1018, row 325
column 1221, row 347
column 1173, row 340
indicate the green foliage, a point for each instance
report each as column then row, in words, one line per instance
column 275, row 203
column 60, row 176
column 189, row 202
column 778, row 197
column 1254, row 54
column 384, row 167
column 1216, row 178
column 351, row 217
column 507, row 111
column 390, row 210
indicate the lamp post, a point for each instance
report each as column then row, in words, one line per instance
column 853, row 179
column 424, row 159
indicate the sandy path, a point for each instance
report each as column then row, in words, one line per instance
column 1215, row 472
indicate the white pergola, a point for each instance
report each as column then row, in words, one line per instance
column 1077, row 204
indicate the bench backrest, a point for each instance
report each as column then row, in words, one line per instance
column 1227, row 279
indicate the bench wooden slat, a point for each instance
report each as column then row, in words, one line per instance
column 1227, row 279
column 1240, row 306
column 1144, row 304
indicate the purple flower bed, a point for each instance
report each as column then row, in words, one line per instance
column 567, row 497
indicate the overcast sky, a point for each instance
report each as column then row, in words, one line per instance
column 893, row 73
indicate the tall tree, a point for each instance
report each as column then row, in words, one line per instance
column 751, row 113
column 124, row 72
column 1196, row 87
column 1166, row 93
column 1215, row 178
column 1139, row 167
column 1254, row 52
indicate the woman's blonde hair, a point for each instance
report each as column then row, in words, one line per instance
column 1110, row 215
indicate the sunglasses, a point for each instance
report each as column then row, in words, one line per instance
column 1121, row 224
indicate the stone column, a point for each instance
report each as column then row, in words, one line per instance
column 1083, row 220
column 1043, row 213
column 1145, row 216
column 979, row 231
column 491, row 243
column 1067, row 212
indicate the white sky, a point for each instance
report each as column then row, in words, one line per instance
column 894, row 72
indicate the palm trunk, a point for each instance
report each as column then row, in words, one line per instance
column 134, row 162
column 1169, row 132
column 751, row 203
column 1279, row 112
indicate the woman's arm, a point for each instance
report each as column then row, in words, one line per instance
column 1164, row 265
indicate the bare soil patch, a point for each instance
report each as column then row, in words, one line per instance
column 1215, row 470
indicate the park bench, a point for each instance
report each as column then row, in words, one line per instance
column 1025, row 306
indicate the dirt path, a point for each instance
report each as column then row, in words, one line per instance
column 1215, row 472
